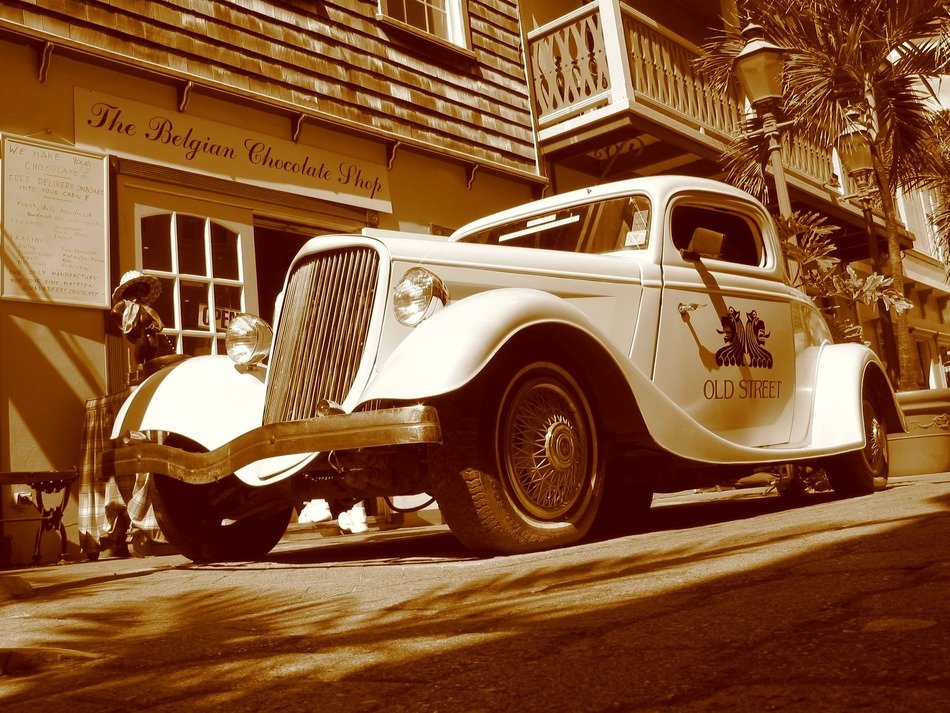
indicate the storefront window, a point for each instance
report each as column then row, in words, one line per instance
column 198, row 261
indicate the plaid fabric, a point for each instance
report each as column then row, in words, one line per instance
column 102, row 503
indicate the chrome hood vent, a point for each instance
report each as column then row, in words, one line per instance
column 322, row 335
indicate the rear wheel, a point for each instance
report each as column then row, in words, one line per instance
column 519, row 469
column 205, row 522
column 863, row 471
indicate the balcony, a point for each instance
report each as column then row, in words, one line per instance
column 616, row 95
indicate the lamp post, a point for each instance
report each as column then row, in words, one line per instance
column 854, row 152
column 758, row 67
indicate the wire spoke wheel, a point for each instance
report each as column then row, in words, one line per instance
column 875, row 434
column 519, row 469
column 545, row 443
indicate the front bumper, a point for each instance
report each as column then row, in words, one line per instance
column 334, row 432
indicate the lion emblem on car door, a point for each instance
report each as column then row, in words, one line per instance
column 755, row 336
column 745, row 342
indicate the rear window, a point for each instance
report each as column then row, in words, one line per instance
column 601, row 227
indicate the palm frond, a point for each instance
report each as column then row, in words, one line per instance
column 869, row 55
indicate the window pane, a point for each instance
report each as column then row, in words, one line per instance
column 227, row 304
column 438, row 20
column 173, row 340
column 228, row 297
column 437, row 17
column 416, row 14
column 224, row 252
column 191, row 245
column 156, row 242
column 396, row 9
column 194, row 305
column 196, row 346
column 438, row 24
column 716, row 234
column 165, row 303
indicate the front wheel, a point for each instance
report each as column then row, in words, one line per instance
column 863, row 471
column 520, row 468
column 217, row 522
column 193, row 523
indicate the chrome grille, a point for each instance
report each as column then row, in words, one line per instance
column 324, row 322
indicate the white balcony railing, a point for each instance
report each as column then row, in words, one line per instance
column 607, row 56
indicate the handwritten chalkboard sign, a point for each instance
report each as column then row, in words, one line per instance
column 54, row 215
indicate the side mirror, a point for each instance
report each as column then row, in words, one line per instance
column 704, row 243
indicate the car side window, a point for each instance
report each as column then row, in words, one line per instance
column 717, row 234
column 601, row 227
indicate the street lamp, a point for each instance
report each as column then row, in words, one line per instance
column 854, row 152
column 758, row 68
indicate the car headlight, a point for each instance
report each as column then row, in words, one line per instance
column 418, row 295
column 248, row 339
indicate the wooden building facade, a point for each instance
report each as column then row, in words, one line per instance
column 203, row 142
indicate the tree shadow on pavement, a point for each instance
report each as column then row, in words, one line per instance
column 791, row 615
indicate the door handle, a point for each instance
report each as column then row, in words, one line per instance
column 685, row 308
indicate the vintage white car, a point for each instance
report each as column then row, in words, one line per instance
column 626, row 339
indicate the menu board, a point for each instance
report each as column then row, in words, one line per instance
column 54, row 215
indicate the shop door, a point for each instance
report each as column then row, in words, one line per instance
column 276, row 249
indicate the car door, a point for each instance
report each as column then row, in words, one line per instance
column 725, row 348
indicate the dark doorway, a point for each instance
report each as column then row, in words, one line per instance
column 274, row 250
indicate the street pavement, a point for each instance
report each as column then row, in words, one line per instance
column 734, row 600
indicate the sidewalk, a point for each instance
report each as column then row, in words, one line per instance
column 24, row 582
column 18, row 582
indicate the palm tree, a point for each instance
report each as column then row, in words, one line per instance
column 934, row 176
column 847, row 61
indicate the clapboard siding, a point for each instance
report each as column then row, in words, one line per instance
column 331, row 58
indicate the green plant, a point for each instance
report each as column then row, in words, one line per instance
column 807, row 239
column 851, row 62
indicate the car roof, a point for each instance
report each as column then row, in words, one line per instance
column 658, row 188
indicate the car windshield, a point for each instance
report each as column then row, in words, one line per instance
column 598, row 227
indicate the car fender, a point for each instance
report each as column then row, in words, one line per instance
column 843, row 373
column 451, row 347
column 209, row 400
column 835, row 413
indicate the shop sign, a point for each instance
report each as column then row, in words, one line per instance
column 130, row 128
column 222, row 317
